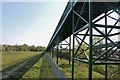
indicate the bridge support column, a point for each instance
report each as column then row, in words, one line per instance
column 57, row 53
column 119, row 40
column 65, row 47
column 52, row 53
column 73, row 35
column 69, row 50
column 106, row 48
column 90, row 41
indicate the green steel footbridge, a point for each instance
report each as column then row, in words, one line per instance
column 79, row 24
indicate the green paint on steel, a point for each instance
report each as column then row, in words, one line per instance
column 90, row 41
column 69, row 50
column 106, row 46
column 73, row 43
column 57, row 53
column 70, row 20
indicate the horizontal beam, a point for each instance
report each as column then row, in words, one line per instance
column 103, row 45
column 106, row 62
column 108, row 26
column 109, row 59
column 100, row 62
column 89, row 35
column 64, row 44
column 82, row 60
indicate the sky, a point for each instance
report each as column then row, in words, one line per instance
column 32, row 23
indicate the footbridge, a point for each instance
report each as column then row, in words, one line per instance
column 79, row 24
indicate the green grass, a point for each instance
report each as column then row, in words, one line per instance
column 34, row 71
column 20, row 71
column 80, row 69
column 112, row 70
column 41, row 69
column 12, row 58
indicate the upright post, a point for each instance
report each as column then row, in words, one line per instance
column 57, row 53
column 73, row 43
column 52, row 53
column 119, row 40
column 90, row 41
column 106, row 48
column 119, row 68
column 119, row 25
column 69, row 49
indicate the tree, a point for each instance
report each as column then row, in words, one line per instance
column 16, row 47
column 96, row 39
column 32, row 48
column 81, row 50
column 23, row 47
column 40, row 48
column 1, row 48
column 8, row 48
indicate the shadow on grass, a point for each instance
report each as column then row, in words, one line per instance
column 19, row 72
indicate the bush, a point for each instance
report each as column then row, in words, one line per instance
column 99, row 68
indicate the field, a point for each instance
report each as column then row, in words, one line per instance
column 19, row 63
column 37, row 66
column 12, row 58
column 81, row 70
column 23, row 65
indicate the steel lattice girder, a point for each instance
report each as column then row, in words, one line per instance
column 79, row 16
column 64, row 27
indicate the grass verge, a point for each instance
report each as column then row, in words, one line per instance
column 41, row 69
column 12, row 58
column 80, row 69
column 21, row 69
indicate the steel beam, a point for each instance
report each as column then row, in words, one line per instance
column 90, row 41
column 57, row 53
column 75, row 15
column 81, row 42
column 52, row 53
column 106, row 46
column 67, row 49
column 73, row 27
